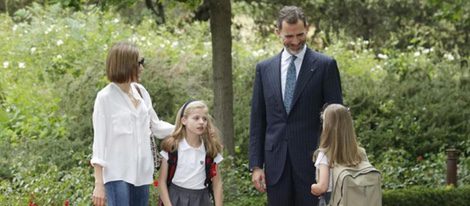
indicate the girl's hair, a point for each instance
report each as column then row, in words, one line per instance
column 338, row 139
column 210, row 137
column 122, row 64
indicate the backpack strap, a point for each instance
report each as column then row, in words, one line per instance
column 172, row 162
column 138, row 90
column 211, row 171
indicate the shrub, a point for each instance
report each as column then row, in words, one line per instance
column 427, row 196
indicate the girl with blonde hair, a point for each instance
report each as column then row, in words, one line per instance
column 190, row 158
column 338, row 145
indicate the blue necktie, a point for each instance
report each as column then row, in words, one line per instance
column 290, row 85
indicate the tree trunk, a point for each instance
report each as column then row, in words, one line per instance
column 220, row 24
column 159, row 14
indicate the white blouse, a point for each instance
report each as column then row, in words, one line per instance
column 121, row 142
column 190, row 170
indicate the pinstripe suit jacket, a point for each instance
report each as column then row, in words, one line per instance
column 273, row 132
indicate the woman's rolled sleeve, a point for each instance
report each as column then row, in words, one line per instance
column 164, row 154
column 99, row 137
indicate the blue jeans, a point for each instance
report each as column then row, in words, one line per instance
column 120, row 193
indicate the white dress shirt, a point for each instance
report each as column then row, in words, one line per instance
column 286, row 58
column 190, row 170
column 121, row 142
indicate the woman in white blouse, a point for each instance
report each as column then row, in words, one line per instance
column 123, row 120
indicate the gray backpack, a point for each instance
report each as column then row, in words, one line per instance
column 356, row 186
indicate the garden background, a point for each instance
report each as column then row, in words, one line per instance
column 404, row 71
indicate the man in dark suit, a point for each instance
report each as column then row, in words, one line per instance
column 289, row 92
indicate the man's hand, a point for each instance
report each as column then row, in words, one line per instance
column 99, row 196
column 258, row 179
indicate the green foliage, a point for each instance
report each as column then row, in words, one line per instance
column 238, row 189
column 399, row 170
column 45, row 172
column 427, row 196
column 408, row 105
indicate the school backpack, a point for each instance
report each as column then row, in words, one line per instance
column 356, row 186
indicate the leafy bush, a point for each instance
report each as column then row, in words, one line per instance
column 46, row 173
column 427, row 196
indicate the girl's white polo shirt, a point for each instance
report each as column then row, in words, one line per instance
column 190, row 170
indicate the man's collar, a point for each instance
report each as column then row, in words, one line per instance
column 286, row 55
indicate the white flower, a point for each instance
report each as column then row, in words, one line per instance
column 6, row 64
column 174, row 44
column 21, row 65
column 425, row 51
column 59, row 42
column 382, row 56
column 134, row 39
column 449, row 56
column 416, row 54
column 33, row 49
column 59, row 56
column 258, row 52
column 15, row 27
column 47, row 31
column 116, row 20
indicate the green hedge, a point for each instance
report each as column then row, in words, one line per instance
column 427, row 196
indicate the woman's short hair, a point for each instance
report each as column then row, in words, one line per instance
column 122, row 64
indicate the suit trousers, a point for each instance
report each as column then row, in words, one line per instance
column 290, row 190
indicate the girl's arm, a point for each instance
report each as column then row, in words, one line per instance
column 322, row 184
column 218, row 190
column 162, row 187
